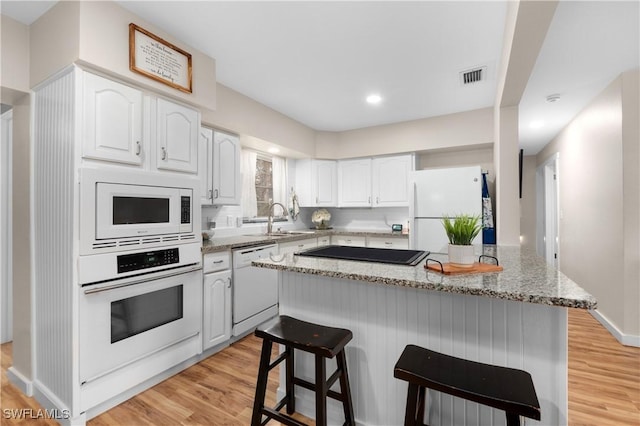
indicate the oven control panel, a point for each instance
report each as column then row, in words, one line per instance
column 150, row 259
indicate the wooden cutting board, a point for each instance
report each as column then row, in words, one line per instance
column 449, row 269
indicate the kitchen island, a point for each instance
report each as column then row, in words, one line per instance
column 515, row 318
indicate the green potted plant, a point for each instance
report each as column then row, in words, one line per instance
column 461, row 230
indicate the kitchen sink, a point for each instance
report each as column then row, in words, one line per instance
column 281, row 234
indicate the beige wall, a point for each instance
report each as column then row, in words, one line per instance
column 21, row 235
column 528, row 203
column 631, row 202
column 465, row 129
column 599, row 201
column 506, row 151
column 246, row 117
column 96, row 34
column 14, row 45
column 54, row 41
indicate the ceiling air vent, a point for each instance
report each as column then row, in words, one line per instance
column 473, row 75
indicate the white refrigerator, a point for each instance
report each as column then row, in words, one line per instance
column 440, row 192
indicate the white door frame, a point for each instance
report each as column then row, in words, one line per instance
column 6, row 276
column 548, row 210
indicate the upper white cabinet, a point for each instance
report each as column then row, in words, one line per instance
column 226, row 168
column 205, row 165
column 374, row 182
column 112, row 121
column 317, row 183
column 177, row 130
column 219, row 168
column 124, row 125
column 354, row 183
column 390, row 180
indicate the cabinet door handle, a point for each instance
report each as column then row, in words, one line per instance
column 138, row 148
column 316, row 200
column 369, row 200
column 229, row 282
column 300, row 245
column 216, row 262
column 210, row 194
column 215, row 193
column 164, row 153
column 388, row 243
column 377, row 200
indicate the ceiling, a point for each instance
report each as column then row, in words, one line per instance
column 317, row 61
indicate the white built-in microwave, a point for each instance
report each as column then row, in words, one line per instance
column 124, row 210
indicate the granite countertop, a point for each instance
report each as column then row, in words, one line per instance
column 525, row 278
column 225, row 243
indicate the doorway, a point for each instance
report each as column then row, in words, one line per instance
column 6, row 281
column 548, row 210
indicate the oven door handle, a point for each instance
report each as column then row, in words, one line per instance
column 141, row 281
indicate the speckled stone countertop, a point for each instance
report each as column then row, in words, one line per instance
column 225, row 243
column 525, row 278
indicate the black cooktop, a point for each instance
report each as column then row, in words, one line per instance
column 368, row 254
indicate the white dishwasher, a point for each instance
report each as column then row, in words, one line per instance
column 255, row 290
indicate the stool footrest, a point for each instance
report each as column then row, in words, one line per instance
column 308, row 385
column 282, row 418
column 278, row 360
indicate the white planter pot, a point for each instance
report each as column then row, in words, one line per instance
column 461, row 256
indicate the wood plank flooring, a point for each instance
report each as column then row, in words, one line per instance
column 604, row 386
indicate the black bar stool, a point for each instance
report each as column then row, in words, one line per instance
column 503, row 388
column 323, row 342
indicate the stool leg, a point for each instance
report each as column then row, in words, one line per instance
column 422, row 404
column 345, row 390
column 291, row 396
column 321, row 391
column 513, row 419
column 261, row 386
column 412, row 402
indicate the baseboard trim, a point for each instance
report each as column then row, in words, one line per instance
column 625, row 339
column 25, row 385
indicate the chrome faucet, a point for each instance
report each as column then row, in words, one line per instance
column 270, row 219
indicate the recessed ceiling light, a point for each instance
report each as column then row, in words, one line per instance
column 274, row 150
column 536, row 124
column 374, row 99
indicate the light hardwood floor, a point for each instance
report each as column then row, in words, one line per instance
column 604, row 386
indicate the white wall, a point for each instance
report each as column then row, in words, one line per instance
column 599, row 201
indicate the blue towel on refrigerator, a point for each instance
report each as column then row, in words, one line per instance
column 488, row 230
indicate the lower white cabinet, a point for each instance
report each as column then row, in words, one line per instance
column 388, row 242
column 324, row 240
column 348, row 240
column 296, row 246
column 216, row 327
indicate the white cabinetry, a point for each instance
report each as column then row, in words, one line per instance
column 219, row 168
column 122, row 124
column 111, row 121
column 388, row 242
column 216, row 327
column 390, row 180
column 348, row 240
column 226, row 168
column 354, row 183
column 297, row 246
column 177, row 130
column 316, row 183
column 205, row 165
column 324, row 240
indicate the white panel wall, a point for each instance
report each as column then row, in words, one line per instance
column 53, row 230
column 384, row 319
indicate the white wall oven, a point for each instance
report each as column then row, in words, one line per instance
column 137, row 304
column 126, row 210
